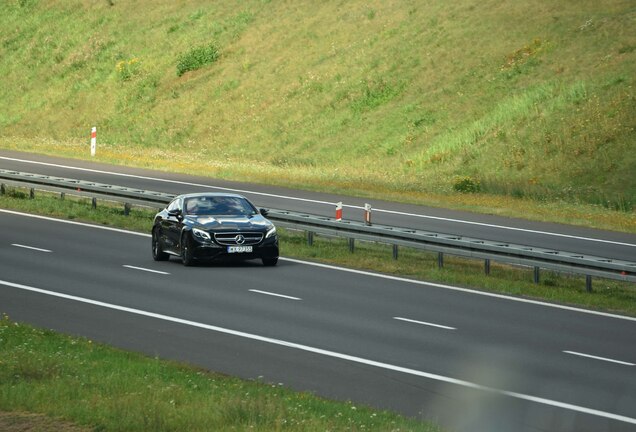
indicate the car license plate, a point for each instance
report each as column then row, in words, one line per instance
column 239, row 249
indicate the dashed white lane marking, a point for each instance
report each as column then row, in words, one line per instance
column 599, row 358
column 146, row 269
column 332, row 354
column 31, row 248
column 274, row 294
column 461, row 221
column 425, row 323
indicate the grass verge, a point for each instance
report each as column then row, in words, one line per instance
column 100, row 388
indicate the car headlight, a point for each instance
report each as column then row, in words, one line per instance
column 201, row 235
column 271, row 232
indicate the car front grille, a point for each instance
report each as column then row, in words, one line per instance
column 238, row 238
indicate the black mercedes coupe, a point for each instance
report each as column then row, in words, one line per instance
column 211, row 226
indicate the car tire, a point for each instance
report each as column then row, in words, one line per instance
column 270, row 262
column 157, row 251
column 186, row 251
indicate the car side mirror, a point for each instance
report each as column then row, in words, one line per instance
column 263, row 212
column 174, row 213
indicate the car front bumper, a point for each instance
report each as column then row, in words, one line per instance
column 207, row 250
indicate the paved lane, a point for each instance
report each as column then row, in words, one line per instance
column 330, row 331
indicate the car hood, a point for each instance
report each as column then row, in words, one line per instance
column 231, row 223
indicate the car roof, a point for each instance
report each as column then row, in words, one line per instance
column 209, row 194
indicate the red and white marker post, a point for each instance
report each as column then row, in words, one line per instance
column 93, row 141
column 339, row 211
column 367, row 214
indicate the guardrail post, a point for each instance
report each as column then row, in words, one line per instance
column 487, row 267
column 395, row 251
column 3, row 189
column 536, row 275
column 310, row 238
column 94, row 203
column 352, row 245
column 126, row 209
column 62, row 196
column 440, row 259
column 32, row 193
column 588, row 283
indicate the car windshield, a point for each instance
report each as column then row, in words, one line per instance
column 218, row 206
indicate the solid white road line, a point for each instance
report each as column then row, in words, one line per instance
column 361, row 272
column 146, row 270
column 274, row 294
column 70, row 222
column 332, row 354
column 425, row 323
column 113, row 173
column 600, row 358
column 31, row 248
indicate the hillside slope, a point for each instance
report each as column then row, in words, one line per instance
column 517, row 98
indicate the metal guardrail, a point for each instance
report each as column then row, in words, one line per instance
column 437, row 242
column 85, row 186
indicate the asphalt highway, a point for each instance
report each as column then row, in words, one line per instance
column 471, row 361
column 546, row 235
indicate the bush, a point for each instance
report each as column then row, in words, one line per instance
column 197, row 58
column 466, row 184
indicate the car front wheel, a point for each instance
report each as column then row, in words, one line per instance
column 186, row 251
column 270, row 262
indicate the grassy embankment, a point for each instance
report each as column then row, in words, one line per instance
column 517, row 108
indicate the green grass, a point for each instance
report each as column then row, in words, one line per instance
column 391, row 99
column 105, row 389
column 76, row 208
